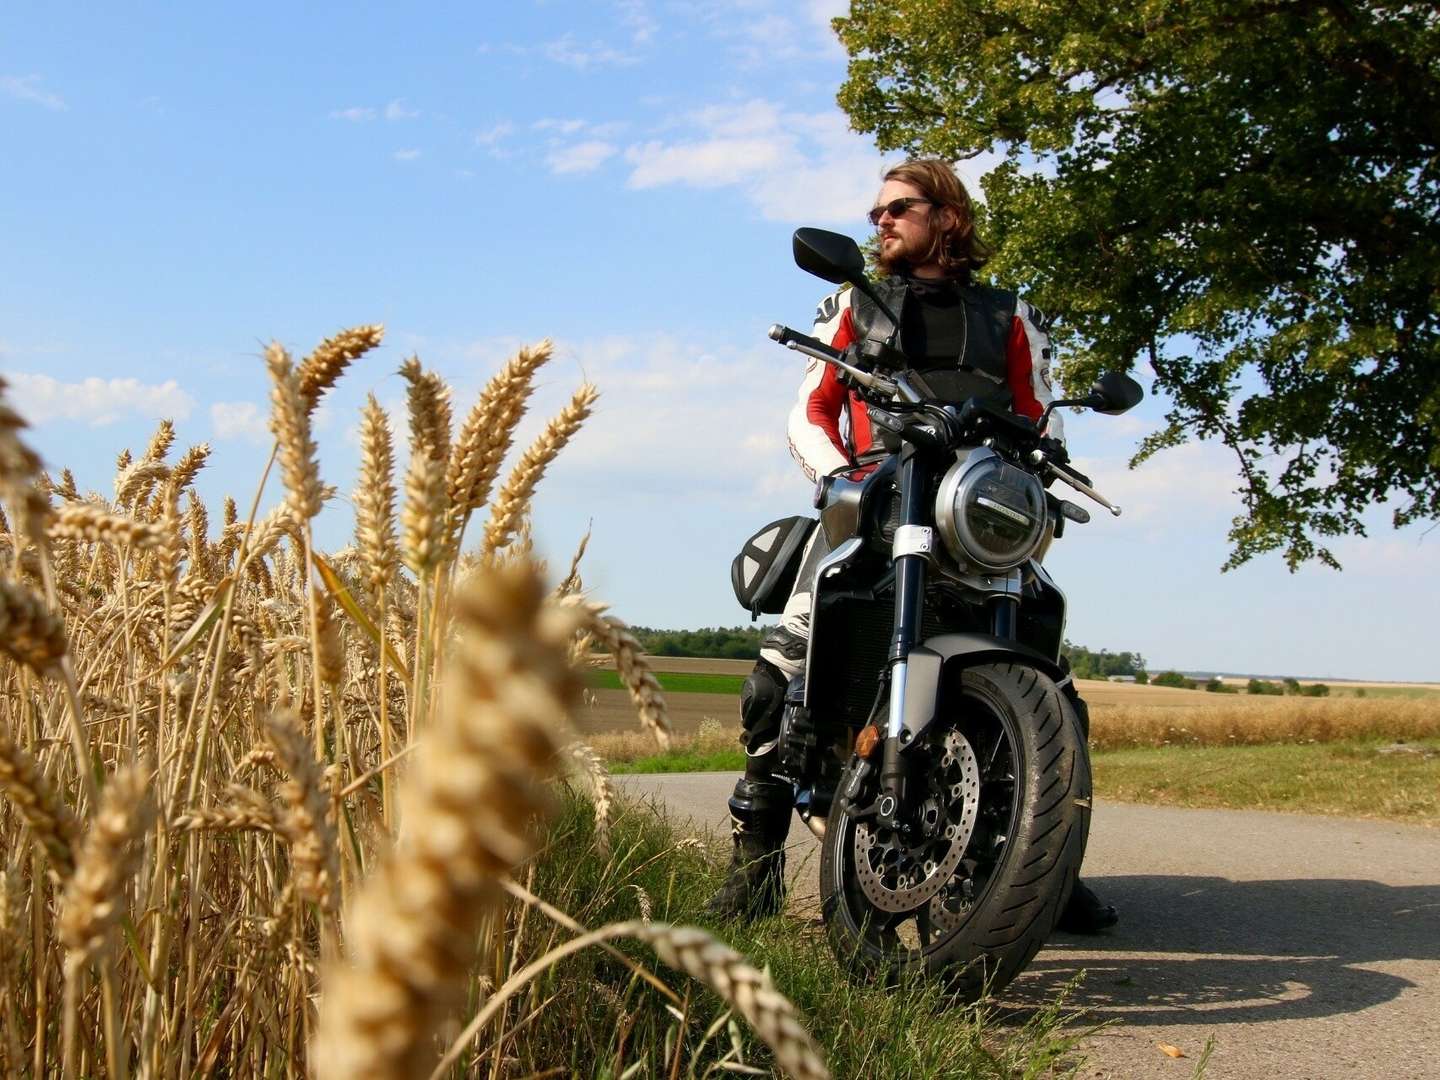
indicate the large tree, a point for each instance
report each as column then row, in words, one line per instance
column 1242, row 193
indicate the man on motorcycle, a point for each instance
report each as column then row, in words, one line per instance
column 965, row 340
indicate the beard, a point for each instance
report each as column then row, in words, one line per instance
column 909, row 252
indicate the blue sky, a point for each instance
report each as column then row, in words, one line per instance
column 184, row 183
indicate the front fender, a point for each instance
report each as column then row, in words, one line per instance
column 926, row 665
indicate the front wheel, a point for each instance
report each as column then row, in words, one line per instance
column 1000, row 814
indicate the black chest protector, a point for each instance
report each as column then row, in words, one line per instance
column 985, row 317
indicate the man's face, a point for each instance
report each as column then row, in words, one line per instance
column 907, row 238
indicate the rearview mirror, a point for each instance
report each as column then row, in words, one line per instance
column 833, row 257
column 1114, row 393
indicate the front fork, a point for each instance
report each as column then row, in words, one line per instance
column 912, row 544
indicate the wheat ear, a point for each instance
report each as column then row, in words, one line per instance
column 92, row 524
column 29, row 632
column 320, row 370
column 94, row 898
column 422, row 521
column 246, row 810
column 488, row 431
column 160, row 442
column 613, row 635
column 314, row 851
column 375, row 498
column 189, row 466
column 703, row 957
column 50, row 820
column 468, row 809
column 290, row 421
column 698, row 954
column 602, row 790
column 429, row 402
column 513, row 502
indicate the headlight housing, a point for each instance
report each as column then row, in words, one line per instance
column 989, row 513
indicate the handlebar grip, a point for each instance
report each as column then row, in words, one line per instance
column 790, row 338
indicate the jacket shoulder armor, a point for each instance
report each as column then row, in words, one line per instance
column 829, row 307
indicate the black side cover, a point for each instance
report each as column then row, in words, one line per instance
column 763, row 574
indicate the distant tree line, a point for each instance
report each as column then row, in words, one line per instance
column 1085, row 664
column 1286, row 687
column 723, row 642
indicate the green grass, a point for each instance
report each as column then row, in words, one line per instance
column 684, row 761
column 591, row 1016
column 1351, row 779
column 675, row 682
column 1411, row 692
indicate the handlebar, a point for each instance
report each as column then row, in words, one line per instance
column 804, row 343
column 793, row 339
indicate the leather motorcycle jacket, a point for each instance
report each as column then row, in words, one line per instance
column 1001, row 352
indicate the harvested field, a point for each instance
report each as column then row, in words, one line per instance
column 1122, row 714
column 608, row 711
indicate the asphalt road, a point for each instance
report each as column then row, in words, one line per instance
column 1306, row 947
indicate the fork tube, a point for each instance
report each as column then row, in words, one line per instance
column 909, row 617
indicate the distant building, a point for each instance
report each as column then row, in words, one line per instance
column 1122, row 678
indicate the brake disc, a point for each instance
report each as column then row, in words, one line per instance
column 896, row 875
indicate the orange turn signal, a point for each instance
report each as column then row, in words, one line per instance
column 867, row 740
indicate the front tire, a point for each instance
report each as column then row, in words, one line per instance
column 1023, row 834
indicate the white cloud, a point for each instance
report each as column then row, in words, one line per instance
column 564, row 127
column 494, row 134
column 580, row 158
column 26, row 88
column 96, row 402
column 240, row 420
column 597, row 54
column 407, row 154
column 793, row 166
column 761, row 33
column 356, row 114
column 397, row 110
column 635, row 16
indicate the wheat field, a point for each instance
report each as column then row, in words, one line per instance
column 266, row 809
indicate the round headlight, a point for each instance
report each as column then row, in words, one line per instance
column 990, row 513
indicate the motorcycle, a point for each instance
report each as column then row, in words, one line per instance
column 935, row 742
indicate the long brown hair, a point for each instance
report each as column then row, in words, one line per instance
column 958, row 250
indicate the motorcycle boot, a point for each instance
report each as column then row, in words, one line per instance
column 1086, row 913
column 759, row 808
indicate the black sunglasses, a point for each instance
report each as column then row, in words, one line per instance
column 896, row 208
